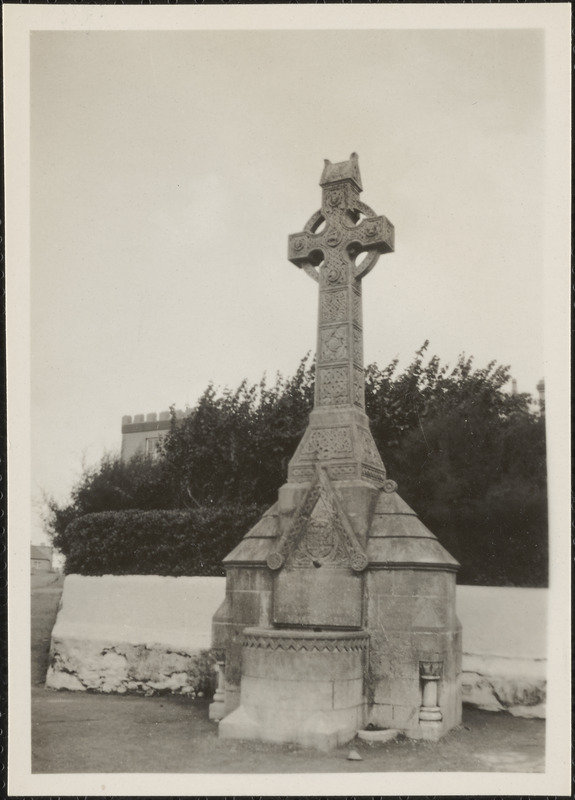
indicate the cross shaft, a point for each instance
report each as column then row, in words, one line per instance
column 338, row 437
column 328, row 249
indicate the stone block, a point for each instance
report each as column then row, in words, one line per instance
column 381, row 714
column 250, row 550
column 266, row 608
column 320, row 730
column 429, row 583
column 325, row 597
column 431, row 614
column 267, row 528
column 261, row 580
column 290, row 496
column 395, row 691
column 432, row 642
column 395, row 613
column 400, row 525
column 222, row 632
column 390, row 503
column 359, row 500
column 427, row 731
column 238, row 724
column 397, row 647
column 283, row 695
column 449, row 701
column 347, row 693
column 246, row 607
column 405, row 716
column 379, row 582
column 238, row 579
column 231, row 700
column 328, row 731
column 233, row 665
column 389, row 551
column 309, row 666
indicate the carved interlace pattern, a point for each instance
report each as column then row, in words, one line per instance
column 276, row 558
column 320, row 533
column 303, row 474
column 368, row 446
column 334, row 271
column 339, row 471
column 333, row 237
column 356, row 644
column 376, row 475
column 358, row 387
column 328, row 442
column 333, row 307
column 334, row 344
column 357, row 346
column 333, row 386
column 357, row 308
column 321, row 540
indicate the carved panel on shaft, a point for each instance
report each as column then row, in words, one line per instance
column 357, row 346
column 333, row 386
column 333, row 306
column 328, row 443
column 333, row 344
column 358, row 387
column 370, row 452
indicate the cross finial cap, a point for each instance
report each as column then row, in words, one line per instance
column 342, row 171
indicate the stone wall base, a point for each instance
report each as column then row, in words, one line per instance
column 86, row 665
column 516, row 685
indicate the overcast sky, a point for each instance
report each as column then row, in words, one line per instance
column 168, row 168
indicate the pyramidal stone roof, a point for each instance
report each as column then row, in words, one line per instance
column 397, row 537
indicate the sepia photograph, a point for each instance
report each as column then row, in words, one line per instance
column 288, row 399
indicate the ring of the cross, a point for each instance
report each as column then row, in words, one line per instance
column 367, row 263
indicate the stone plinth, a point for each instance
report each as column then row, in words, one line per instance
column 300, row 686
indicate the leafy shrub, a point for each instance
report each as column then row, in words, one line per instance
column 468, row 456
column 136, row 542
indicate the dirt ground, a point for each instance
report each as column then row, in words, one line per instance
column 97, row 733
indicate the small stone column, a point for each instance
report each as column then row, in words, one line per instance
column 217, row 706
column 430, row 674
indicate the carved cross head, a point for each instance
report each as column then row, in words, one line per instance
column 344, row 228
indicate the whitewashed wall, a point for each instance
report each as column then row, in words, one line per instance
column 144, row 633
column 504, row 648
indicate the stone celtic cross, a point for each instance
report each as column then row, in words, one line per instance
column 338, row 246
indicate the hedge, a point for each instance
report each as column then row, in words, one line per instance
column 172, row 543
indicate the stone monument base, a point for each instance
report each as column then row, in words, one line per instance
column 300, row 686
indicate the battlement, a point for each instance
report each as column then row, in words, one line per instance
column 141, row 433
column 149, row 422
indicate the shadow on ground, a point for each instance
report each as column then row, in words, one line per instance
column 98, row 733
